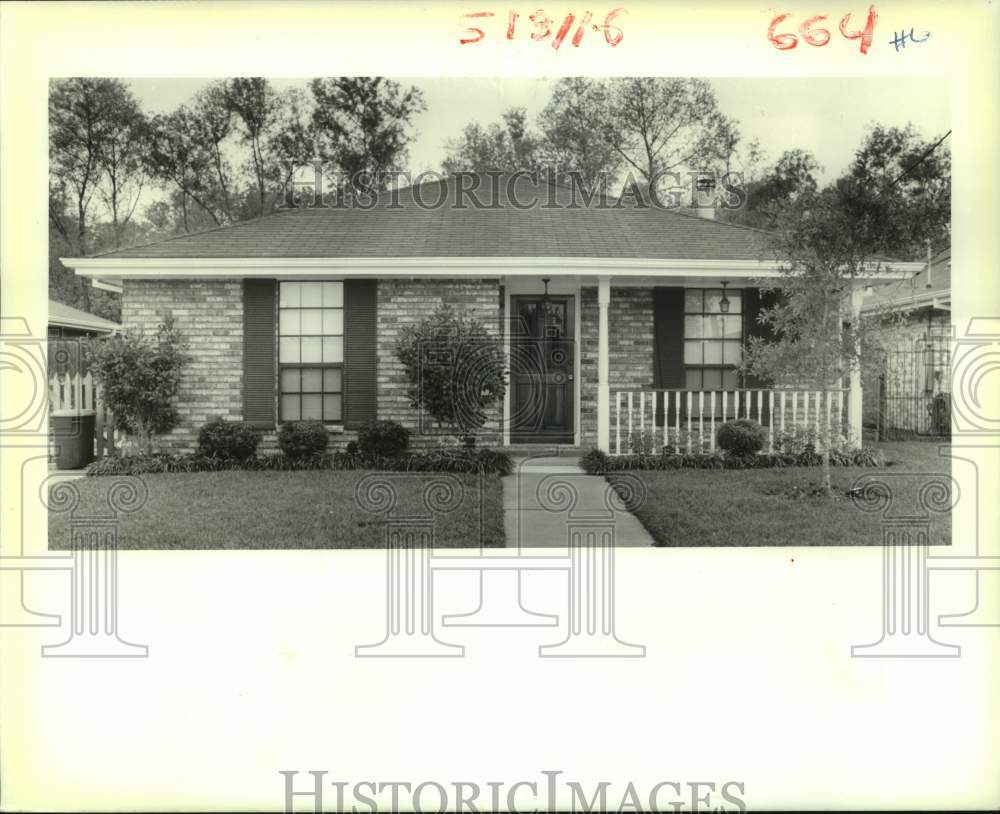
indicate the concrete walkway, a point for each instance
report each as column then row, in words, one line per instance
column 545, row 494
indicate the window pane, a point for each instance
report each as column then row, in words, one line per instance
column 713, row 353
column 333, row 381
column 289, row 295
column 312, row 408
column 288, row 322
column 312, row 380
column 735, row 301
column 692, row 327
column 311, row 349
column 712, row 379
column 692, row 300
column 730, row 380
column 333, row 295
column 290, row 381
column 332, row 408
column 731, row 353
column 290, row 408
column 333, row 349
column 288, row 350
column 712, row 327
column 692, row 352
column 333, row 322
column 692, row 380
column 713, row 296
column 732, row 327
column 312, row 321
column 312, row 295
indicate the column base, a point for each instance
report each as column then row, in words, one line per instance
column 500, row 604
column 95, row 646
column 409, row 645
column 902, row 646
column 592, row 645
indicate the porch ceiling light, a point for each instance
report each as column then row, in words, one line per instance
column 724, row 302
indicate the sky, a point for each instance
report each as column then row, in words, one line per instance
column 828, row 117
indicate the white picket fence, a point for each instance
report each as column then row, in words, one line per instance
column 76, row 392
column 687, row 419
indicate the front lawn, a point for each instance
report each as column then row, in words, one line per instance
column 697, row 507
column 312, row 509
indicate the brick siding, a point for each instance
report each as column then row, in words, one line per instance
column 630, row 349
column 209, row 314
column 407, row 302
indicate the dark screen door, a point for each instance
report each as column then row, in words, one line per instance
column 541, row 370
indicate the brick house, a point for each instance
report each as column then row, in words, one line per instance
column 637, row 329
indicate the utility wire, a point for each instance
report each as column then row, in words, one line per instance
column 920, row 160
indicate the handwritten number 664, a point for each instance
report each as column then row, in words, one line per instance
column 821, row 36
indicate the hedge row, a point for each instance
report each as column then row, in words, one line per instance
column 470, row 461
column 596, row 462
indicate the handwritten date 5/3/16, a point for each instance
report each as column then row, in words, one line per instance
column 813, row 34
column 540, row 27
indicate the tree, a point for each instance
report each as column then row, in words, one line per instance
column 456, row 370
column 139, row 377
column 776, row 189
column 95, row 129
column 271, row 125
column 572, row 139
column 364, row 125
column 501, row 147
column 898, row 192
column 660, row 125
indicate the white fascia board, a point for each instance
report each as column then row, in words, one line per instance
column 473, row 267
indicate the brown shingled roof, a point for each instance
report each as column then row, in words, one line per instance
column 409, row 230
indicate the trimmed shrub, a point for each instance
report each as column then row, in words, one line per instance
column 227, row 440
column 302, row 439
column 384, row 438
column 596, row 462
column 741, row 436
column 458, row 461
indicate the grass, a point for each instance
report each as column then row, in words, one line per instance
column 774, row 507
column 314, row 509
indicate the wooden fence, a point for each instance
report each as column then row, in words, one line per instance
column 77, row 392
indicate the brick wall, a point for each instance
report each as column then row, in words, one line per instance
column 630, row 349
column 406, row 302
column 209, row 313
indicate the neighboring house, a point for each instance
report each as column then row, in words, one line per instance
column 907, row 387
column 71, row 323
column 297, row 314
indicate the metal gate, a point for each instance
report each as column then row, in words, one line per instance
column 913, row 390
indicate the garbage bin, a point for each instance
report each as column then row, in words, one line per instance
column 73, row 436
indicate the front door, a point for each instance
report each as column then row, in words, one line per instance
column 542, row 365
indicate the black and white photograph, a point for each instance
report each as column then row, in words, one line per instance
column 350, row 378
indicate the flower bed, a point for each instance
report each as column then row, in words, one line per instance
column 470, row 461
column 596, row 462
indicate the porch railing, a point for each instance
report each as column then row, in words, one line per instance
column 686, row 420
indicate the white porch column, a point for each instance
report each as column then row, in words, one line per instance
column 603, row 388
column 854, row 401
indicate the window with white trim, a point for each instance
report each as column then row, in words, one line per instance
column 713, row 340
column 311, row 351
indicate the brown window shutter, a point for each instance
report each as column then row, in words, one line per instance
column 360, row 359
column 259, row 376
column 668, row 342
